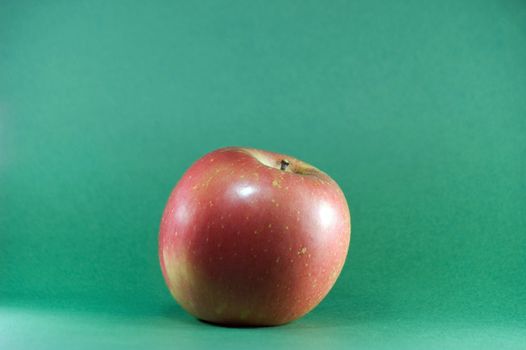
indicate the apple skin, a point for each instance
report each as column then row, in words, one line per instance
column 244, row 243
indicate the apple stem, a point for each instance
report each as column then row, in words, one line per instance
column 284, row 164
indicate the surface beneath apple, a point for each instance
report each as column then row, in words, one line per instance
column 253, row 238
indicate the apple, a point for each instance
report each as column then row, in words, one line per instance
column 253, row 238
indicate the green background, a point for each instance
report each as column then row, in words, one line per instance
column 416, row 108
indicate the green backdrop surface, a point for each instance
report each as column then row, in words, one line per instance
column 417, row 109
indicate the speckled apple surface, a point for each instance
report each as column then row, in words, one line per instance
column 254, row 238
column 415, row 108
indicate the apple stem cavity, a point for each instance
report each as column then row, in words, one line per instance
column 284, row 164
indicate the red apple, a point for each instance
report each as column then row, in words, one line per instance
column 250, row 237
